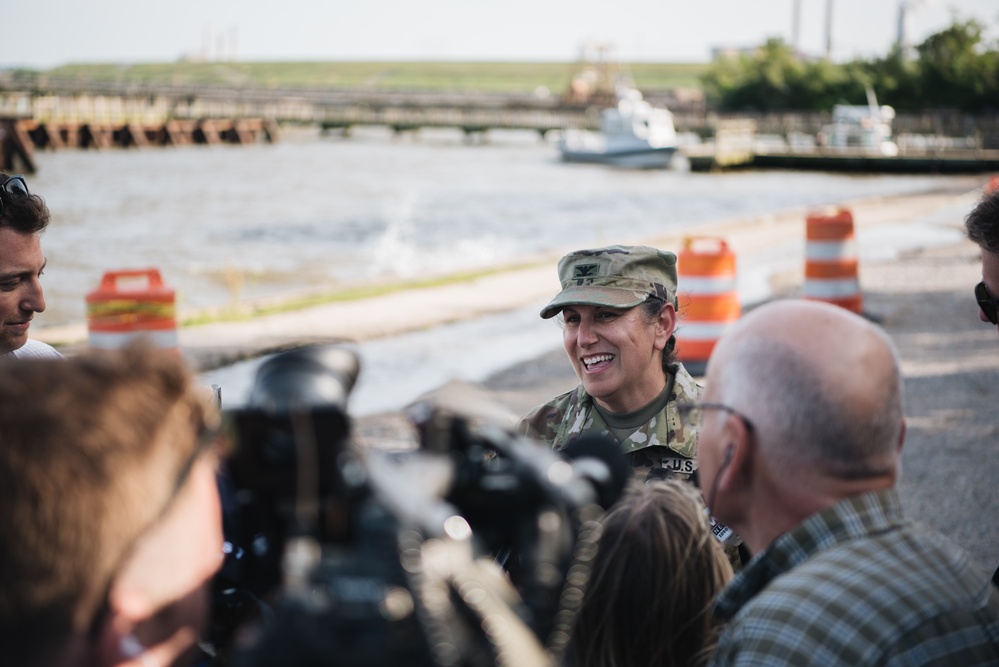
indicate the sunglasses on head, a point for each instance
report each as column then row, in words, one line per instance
column 12, row 185
column 987, row 302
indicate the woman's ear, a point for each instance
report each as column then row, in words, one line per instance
column 665, row 325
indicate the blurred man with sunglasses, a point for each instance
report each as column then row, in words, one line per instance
column 983, row 228
column 802, row 426
column 110, row 529
column 23, row 218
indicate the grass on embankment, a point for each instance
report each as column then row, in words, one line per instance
column 238, row 313
column 494, row 77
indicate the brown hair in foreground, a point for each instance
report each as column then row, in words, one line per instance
column 91, row 449
column 25, row 215
column 656, row 572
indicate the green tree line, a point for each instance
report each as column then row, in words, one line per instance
column 954, row 68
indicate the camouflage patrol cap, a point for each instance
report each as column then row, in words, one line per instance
column 617, row 276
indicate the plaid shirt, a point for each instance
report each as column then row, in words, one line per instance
column 857, row 585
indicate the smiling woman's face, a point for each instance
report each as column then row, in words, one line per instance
column 617, row 354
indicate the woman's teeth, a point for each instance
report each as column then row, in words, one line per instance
column 589, row 361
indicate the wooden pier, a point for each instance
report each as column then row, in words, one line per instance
column 19, row 137
column 736, row 146
column 65, row 134
column 16, row 147
column 952, row 161
column 70, row 114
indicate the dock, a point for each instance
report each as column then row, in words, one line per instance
column 952, row 161
column 20, row 137
column 57, row 114
column 16, row 147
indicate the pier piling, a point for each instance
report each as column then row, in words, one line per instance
column 16, row 147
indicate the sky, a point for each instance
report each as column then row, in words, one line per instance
column 46, row 33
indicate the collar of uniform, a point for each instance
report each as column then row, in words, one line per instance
column 671, row 434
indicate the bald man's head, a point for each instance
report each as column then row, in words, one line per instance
column 821, row 385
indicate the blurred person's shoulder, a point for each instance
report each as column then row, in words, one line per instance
column 543, row 422
column 36, row 349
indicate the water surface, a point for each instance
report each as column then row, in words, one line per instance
column 230, row 222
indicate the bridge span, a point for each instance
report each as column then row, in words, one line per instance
column 52, row 114
column 51, row 99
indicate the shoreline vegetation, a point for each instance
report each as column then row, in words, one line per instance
column 528, row 78
column 276, row 305
column 68, row 336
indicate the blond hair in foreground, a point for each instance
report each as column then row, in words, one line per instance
column 656, row 572
column 91, row 451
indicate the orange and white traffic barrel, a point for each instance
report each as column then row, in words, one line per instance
column 708, row 295
column 120, row 311
column 831, row 260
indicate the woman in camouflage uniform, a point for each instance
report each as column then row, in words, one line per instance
column 618, row 306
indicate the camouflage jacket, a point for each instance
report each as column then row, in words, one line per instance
column 663, row 443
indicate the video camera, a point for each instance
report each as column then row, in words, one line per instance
column 472, row 549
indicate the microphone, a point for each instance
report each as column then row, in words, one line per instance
column 590, row 469
column 597, row 459
column 306, row 378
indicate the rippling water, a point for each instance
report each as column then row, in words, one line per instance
column 223, row 222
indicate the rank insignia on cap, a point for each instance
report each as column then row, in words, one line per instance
column 581, row 271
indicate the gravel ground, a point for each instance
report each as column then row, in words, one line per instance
column 951, row 364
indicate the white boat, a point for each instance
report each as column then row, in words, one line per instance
column 866, row 128
column 632, row 134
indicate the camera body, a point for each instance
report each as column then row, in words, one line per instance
column 455, row 553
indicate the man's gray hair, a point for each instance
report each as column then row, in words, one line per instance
column 801, row 420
